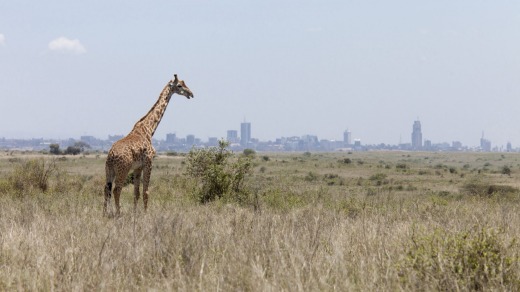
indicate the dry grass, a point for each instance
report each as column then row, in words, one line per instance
column 386, row 221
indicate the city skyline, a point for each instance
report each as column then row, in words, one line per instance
column 247, row 140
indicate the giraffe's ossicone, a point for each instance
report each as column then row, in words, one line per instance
column 135, row 152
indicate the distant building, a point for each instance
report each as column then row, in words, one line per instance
column 171, row 139
column 428, row 144
column 245, row 134
column 232, row 136
column 113, row 138
column 308, row 143
column 212, row 141
column 456, row 145
column 190, row 140
column 485, row 145
column 347, row 138
column 416, row 136
column 91, row 140
column 509, row 148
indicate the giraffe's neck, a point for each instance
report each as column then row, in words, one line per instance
column 148, row 124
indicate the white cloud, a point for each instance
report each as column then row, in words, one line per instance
column 2, row 39
column 65, row 45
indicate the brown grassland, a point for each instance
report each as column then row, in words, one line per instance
column 362, row 221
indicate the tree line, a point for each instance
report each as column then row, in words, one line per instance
column 75, row 149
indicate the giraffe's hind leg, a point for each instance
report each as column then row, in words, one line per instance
column 108, row 195
column 119, row 183
column 137, row 182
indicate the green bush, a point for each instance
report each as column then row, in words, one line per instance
column 72, row 150
column 249, row 152
column 379, row 179
column 54, row 149
column 506, row 170
column 216, row 174
column 471, row 260
column 31, row 174
column 402, row 166
column 346, row 161
column 333, row 179
column 480, row 188
column 311, row 176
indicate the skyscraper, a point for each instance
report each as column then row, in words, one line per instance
column 416, row 136
column 485, row 144
column 347, row 138
column 245, row 134
column 232, row 136
column 171, row 138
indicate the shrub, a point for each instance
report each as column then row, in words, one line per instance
column 311, row 176
column 31, row 174
column 249, row 152
column 346, row 160
column 480, row 188
column 379, row 179
column 72, row 150
column 470, row 259
column 506, row 170
column 401, row 166
column 333, row 179
column 54, row 149
column 216, row 174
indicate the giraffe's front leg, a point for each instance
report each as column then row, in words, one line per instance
column 147, row 172
column 137, row 182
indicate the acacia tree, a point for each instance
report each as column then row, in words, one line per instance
column 54, row 149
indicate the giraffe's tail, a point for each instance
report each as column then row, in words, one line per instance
column 110, row 174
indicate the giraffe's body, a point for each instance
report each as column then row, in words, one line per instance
column 135, row 151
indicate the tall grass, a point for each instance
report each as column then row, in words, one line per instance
column 300, row 235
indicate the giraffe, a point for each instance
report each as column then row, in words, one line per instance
column 135, row 151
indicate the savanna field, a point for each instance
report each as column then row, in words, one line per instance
column 361, row 221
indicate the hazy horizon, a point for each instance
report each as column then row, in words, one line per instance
column 291, row 68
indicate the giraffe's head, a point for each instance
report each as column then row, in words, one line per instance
column 179, row 87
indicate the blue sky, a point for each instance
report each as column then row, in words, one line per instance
column 72, row 68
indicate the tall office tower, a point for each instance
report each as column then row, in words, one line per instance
column 232, row 136
column 485, row 145
column 171, row 138
column 347, row 138
column 245, row 134
column 416, row 136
